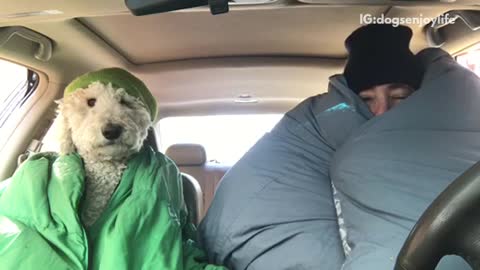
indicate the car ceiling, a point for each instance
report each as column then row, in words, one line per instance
column 196, row 63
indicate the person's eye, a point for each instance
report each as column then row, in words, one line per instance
column 91, row 102
column 367, row 99
column 400, row 97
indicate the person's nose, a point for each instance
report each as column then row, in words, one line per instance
column 381, row 106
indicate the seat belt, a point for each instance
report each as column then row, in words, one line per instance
column 33, row 148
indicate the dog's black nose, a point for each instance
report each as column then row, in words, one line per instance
column 112, row 131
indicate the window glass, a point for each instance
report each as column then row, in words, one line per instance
column 17, row 85
column 471, row 60
column 225, row 137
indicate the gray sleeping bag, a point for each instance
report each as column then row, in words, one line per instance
column 274, row 209
column 391, row 169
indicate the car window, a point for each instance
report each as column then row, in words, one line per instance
column 50, row 142
column 18, row 84
column 471, row 59
column 225, row 137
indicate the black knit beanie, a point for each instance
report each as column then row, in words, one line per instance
column 380, row 54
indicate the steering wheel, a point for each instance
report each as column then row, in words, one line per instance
column 450, row 226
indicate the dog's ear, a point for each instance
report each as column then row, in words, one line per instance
column 64, row 132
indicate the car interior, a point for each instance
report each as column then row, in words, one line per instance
column 260, row 57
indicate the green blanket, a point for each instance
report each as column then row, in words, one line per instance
column 144, row 226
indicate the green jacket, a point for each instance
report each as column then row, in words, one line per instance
column 144, row 226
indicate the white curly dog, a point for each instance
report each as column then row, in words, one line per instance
column 105, row 126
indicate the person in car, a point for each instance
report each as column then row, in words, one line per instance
column 381, row 69
column 275, row 208
column 391, row 169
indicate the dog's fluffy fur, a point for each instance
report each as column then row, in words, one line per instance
column 82, row 127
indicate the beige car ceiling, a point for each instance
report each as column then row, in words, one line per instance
column 196, row 63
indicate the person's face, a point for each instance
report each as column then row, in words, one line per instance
column 382, row 98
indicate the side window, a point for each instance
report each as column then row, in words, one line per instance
column 471, row 60
column 17, row 85
column 50, row 142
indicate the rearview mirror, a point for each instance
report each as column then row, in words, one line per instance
column 147, row 7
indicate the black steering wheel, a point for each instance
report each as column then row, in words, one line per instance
column 450, row 226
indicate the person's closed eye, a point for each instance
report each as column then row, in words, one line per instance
column 368, row 100
column 399, row 97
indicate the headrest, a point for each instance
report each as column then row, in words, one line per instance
column 187, row 154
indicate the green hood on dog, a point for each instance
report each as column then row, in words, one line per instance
column 119, row 78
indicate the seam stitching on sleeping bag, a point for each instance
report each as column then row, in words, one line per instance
column 341, row 222
column 375, row 212
column 272, row 247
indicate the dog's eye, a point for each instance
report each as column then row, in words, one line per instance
column 91, row 102
column 126, row 103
